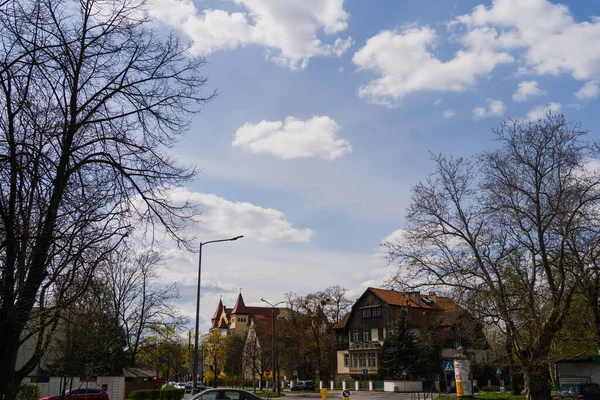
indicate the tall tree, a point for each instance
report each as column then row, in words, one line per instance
column 400, row 351
column 91, row 98
column 214, row 348
column 514, row 227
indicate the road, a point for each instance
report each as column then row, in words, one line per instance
column 360, row 395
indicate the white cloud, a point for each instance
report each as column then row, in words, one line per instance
column 437, row 102
column 449, row 113
column 589, row 90
column 541, row 111
column 289, row 28
column 550, row 38
column 293, row 138
column 495, row 108
column 527, row 90
column 226, row 218
column 405, row 64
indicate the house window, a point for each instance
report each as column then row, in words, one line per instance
column 380, row 334
column 371, row 359
column 356, row 336
column 346, row 360
column 361, row 360
column 355, row 360
column 367, row 335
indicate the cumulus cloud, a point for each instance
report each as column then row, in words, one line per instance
column 541, row 111
column 547, row 35
column 227, row 218
column 293, row 138
column 495, row 108
column 527, row 90
column 589, row 90
column 405, row 64
column 449, row 113
column 288, row 30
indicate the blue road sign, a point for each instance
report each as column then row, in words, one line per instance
column 449, row 367
column 365, row 371
column 498, row 371
column 346, row 394
column 404, row 373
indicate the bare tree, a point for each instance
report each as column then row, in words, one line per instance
column 90, row 101
column 512, row 229
column 138, row 300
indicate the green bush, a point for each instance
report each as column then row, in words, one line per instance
column 27, row 391
column 490, row 388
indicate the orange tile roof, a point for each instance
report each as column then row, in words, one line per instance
column 395, row 298
column 342, row 322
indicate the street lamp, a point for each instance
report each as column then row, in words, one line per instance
column 195, row 377
column 273, row 341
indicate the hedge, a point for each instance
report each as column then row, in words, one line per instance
column 157, row 394
column 490, row 388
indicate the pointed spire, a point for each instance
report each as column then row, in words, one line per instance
column 240, row 307
column 219, row 310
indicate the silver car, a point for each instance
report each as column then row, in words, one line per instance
column 226, row 394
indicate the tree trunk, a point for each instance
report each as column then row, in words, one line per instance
column 537, row 382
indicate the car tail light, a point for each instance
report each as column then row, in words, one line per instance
column 580, row 397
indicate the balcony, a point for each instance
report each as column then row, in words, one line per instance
column 359, row 370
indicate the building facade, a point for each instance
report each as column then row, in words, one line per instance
column 362, row 331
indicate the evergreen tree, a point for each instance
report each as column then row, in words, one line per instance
column 400, row 351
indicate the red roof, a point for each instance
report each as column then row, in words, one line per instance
column 240, row 307
column 218, row 311
column 342, row 322
column 395, row 298
column 223, row 324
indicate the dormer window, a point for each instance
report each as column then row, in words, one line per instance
column 371, row 312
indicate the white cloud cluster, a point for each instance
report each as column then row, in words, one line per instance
column 589, row 90
column 289, row 28
column 228, row 218
column 551, row 41
column 527, row 90
column 293, row 138
column 541, row 111
column 495, row 108
column 405, row 64
column 449, row 113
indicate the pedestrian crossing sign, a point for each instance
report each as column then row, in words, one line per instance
column 448, row 367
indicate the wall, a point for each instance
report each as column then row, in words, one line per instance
column 115, row 390
column 340, row 362
column 411, row 386
column 570, row 372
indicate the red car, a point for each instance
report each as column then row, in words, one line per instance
column 81, row 394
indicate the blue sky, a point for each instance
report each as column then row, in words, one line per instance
column 327, row 113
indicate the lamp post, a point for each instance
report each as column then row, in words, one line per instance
column 195, row 377
column 275, row 371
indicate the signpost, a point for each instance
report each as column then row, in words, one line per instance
column 346, row 394
column 404, row 373
column 448, row 369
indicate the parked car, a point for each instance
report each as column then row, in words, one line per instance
column 225, row 394
column 581, row 391
column 180, row 385
column 81, row 394
column 199, row 387
column 304, row 385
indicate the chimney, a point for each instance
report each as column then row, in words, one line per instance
column 415, row 297
column 433, row 297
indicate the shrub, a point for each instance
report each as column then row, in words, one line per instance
column 490, row 388
column 26, row 391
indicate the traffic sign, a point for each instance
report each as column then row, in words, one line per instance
column 449, row 367
column 346, row 394
column 365, row 371
column 268, row 372
column 498, row 371
column 404, row 373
